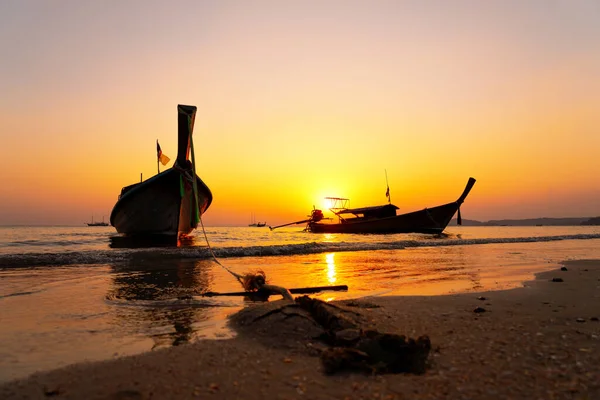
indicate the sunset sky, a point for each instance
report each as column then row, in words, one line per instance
column 298, row 100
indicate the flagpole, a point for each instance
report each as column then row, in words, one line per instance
column 157, row 159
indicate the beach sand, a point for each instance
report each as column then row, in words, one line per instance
column 540, row 341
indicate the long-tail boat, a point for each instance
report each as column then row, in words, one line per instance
column 171, row 202
column 383, row 219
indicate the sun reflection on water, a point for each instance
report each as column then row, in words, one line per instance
column 331, row 275
column 328, row 237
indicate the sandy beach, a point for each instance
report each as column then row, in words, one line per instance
column 536, row 342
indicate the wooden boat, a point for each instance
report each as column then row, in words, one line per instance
column 97, row 223
column 383, row 219
column 171, row 202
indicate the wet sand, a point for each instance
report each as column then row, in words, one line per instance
column 536, row 342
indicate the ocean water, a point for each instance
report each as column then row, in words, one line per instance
column 73, row 294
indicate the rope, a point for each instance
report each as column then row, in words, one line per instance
column 238, row 277
column 197, row 214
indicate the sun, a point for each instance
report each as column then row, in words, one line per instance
column 324, row 197
column 330, row 202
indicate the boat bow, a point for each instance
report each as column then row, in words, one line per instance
column 171, row 202
column 462, row 198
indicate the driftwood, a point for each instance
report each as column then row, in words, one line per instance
column 272, row 289
column 376, row 352
column 256, row 286
column 344, row 339
column 364, row 350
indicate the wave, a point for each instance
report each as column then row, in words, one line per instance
column 120, row 255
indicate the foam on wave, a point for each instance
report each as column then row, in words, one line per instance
column 119, row 255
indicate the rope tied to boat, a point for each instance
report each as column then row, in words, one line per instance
column 236, row 276
column 251, row 282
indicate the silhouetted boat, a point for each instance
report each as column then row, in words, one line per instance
column 383, row 219
column 253, row 222
column 171, row 202
column 97, row 223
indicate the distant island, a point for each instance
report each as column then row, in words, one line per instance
column 592, row 221
column 531, row 222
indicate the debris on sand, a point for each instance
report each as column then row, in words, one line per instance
column 253, row 281
column 351, row 344
column 376, row 352
column 255, row 284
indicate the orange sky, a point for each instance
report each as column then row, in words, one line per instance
column 298, row 100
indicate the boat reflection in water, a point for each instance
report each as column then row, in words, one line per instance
column 140, row 242
column 156, row 299
column 157, row 294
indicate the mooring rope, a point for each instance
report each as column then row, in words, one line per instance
column 238, row 277
column 197, row 212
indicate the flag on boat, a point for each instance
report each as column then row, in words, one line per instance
column 161, row 157
column 387, row 192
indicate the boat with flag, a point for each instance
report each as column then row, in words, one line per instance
column 171, row 202
column 384, row 218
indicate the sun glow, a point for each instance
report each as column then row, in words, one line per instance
column 285, row 120
column 326, row 204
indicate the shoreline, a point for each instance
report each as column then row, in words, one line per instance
column 537, row 341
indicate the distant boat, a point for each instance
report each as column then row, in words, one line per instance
column 253, row 222
column 383, row 219
column 171, row 202
column 97, row 223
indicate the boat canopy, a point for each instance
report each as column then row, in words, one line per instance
column 387, row 210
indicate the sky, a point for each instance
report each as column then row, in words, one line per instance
column 299, row 100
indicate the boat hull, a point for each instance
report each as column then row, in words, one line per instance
column 161, row 205
column 428, row 220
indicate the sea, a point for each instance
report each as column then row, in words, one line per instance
column 71, row 294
